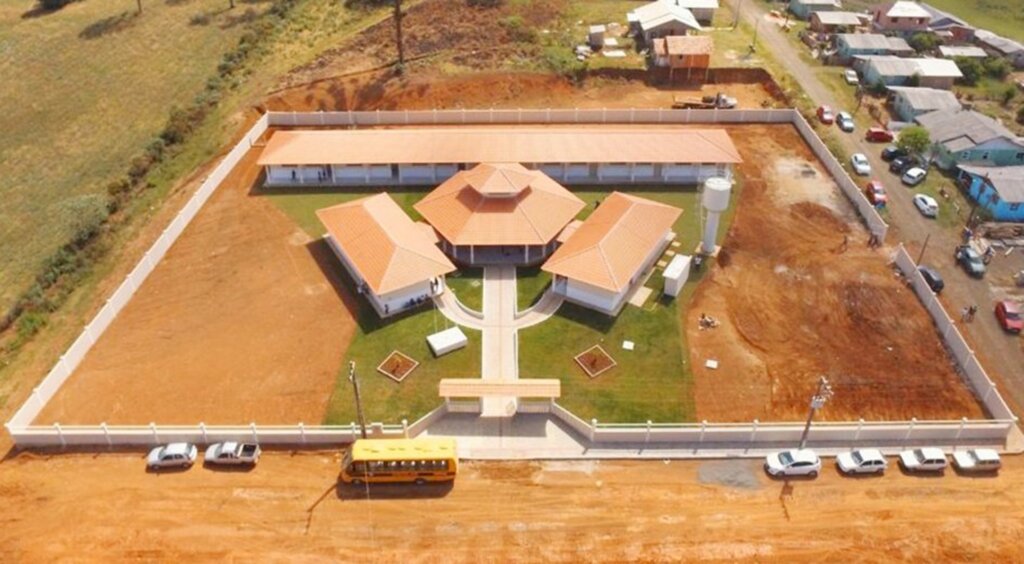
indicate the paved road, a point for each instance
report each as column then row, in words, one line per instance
column 1001, row 354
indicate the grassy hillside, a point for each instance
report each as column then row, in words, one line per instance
column 1005, row 17
column 84, row 89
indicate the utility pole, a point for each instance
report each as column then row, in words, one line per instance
column 821, row 396
column 736, row 20
column 359, row 404
column 920, row 255
column 398, row 34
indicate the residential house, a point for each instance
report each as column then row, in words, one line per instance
column 896, row 71
column 1001, row 47
column 688, row 53
column 702, row 10
column 908, row 102
column 834, row 22
column 609, row 255
column 394, row 262
column 803, row 9
column 901, row 17
column 850, row 45
column 661, row 19
column 1000, row 190
column 967, row 51
column 967, row 137
column 941, row 20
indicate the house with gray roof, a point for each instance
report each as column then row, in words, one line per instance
column 941, row 20
column 850, row 45
column 832, row 22
column 896, row 71
column 1000, row 47
column 702, row 10
column 908, row 102
column 967, row 51
column 662, row 19
column 1000, row 190
column 962, row 137
column 802, row 8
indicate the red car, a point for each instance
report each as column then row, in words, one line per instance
column 825, row 115
column 1009, row 316
column 879, row 135
column 876, row 193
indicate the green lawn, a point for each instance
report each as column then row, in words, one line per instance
column 953, row 211
column 85, row 88
column 301, row 203
column 530, row 285
column 652, row 382
column 468, row 286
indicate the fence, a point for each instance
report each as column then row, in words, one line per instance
column 25, row 434
column 983, row 386
column 92, row 332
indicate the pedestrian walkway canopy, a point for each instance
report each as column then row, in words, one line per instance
column 475, row 388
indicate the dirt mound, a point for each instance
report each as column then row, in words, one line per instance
column 804, row 296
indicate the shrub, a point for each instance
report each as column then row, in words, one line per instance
column 518, row 30
column 914, row 139
column 997, row 67
column 85, row 216
column 1020, row 115
column 923, row 41
column 1008, row 94
column 561, row 60
column 970, row 68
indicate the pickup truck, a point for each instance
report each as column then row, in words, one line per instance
column 232, row 453
column 719, row 101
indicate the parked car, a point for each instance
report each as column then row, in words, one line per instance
column 232, row 453
column 1008, row 313
column 926, row 205
column 879, row 135
column 173, row 455
column 970, row 260
column 862, row 461
column 845, row 121
column 932, row 278
column 850, row 76
column 825, row 115
column 901, row 163
column 928, row 459
column 893, row 152
column 860, row 164
column 876, row 193
column 977, row 460
column 795, row 462
column 914, row 176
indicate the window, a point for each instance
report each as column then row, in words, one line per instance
column 984, row 156
column 965, row 155
column 1019, row 156
column 1014, row 207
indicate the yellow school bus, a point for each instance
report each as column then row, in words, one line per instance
column 422, row 460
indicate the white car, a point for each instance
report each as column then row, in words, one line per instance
column 845, row 121
column 977, row 460
column 860, row 164
column 795, row 462
column 926, row 205
column 862, row 461
column 172, row 455
column 928, row 459
column 914, row 176
column 851, row 76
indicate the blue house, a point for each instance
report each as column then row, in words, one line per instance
column 966, row 137
column 1000, row 190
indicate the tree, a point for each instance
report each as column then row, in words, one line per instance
column 1008, row 94
column 914, row 139
column 970, row 68
column 914, row 81
column 923, row 42
column 997, row 67
column 398, row 35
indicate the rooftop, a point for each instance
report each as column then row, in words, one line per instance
column 997, row 42
column 1008, row 181
column 928, row 99
column 906, row 10
column 684, row 45
column 499, row 204
column 388, row 249
column 888, row 65
column 833, row 17
column 652, row 15
column 429, row 145
column 610, row 246
column 873, row 41
column 694, row 4
column 950, row 51
column 959, row 130
column 835, row 3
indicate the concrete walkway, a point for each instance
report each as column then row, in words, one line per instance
column 457, row 312
column 545, row 307
column 499, row 360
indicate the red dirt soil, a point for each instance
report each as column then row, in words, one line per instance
column 239, row 322
column 794, row 306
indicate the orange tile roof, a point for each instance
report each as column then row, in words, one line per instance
column 388, row 249
column 611, row 245
column 648, row 144
column 684, row 45
column 499, row 204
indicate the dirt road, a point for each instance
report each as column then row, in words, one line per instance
column 1002, row 355
column 105, row 507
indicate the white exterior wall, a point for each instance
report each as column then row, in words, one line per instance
column 593, row 297
column 413, row 173
column 386, row 304
column 350, row 173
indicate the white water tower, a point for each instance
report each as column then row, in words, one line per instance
column 715, row 201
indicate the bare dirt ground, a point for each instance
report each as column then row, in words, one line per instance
column 795, row 304
column 105, row 507
column 239, row 322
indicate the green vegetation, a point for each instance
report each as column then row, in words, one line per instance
column 530, row 285
column 301, row 203
column 954, row 206
column 467, row 284
column 914, row 139
column 923, row 42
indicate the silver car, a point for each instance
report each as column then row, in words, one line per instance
column 862, row 461
column 977, row 460
column 795, row 462
column 860, row 164
column 173, row 455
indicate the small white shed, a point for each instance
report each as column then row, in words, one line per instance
column 676, row 274
column 596, row 37
column 447, row 341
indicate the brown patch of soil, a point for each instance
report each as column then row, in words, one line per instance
column 397, row 366
column 595, row 361
column 793, row 307
column 243, row 320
